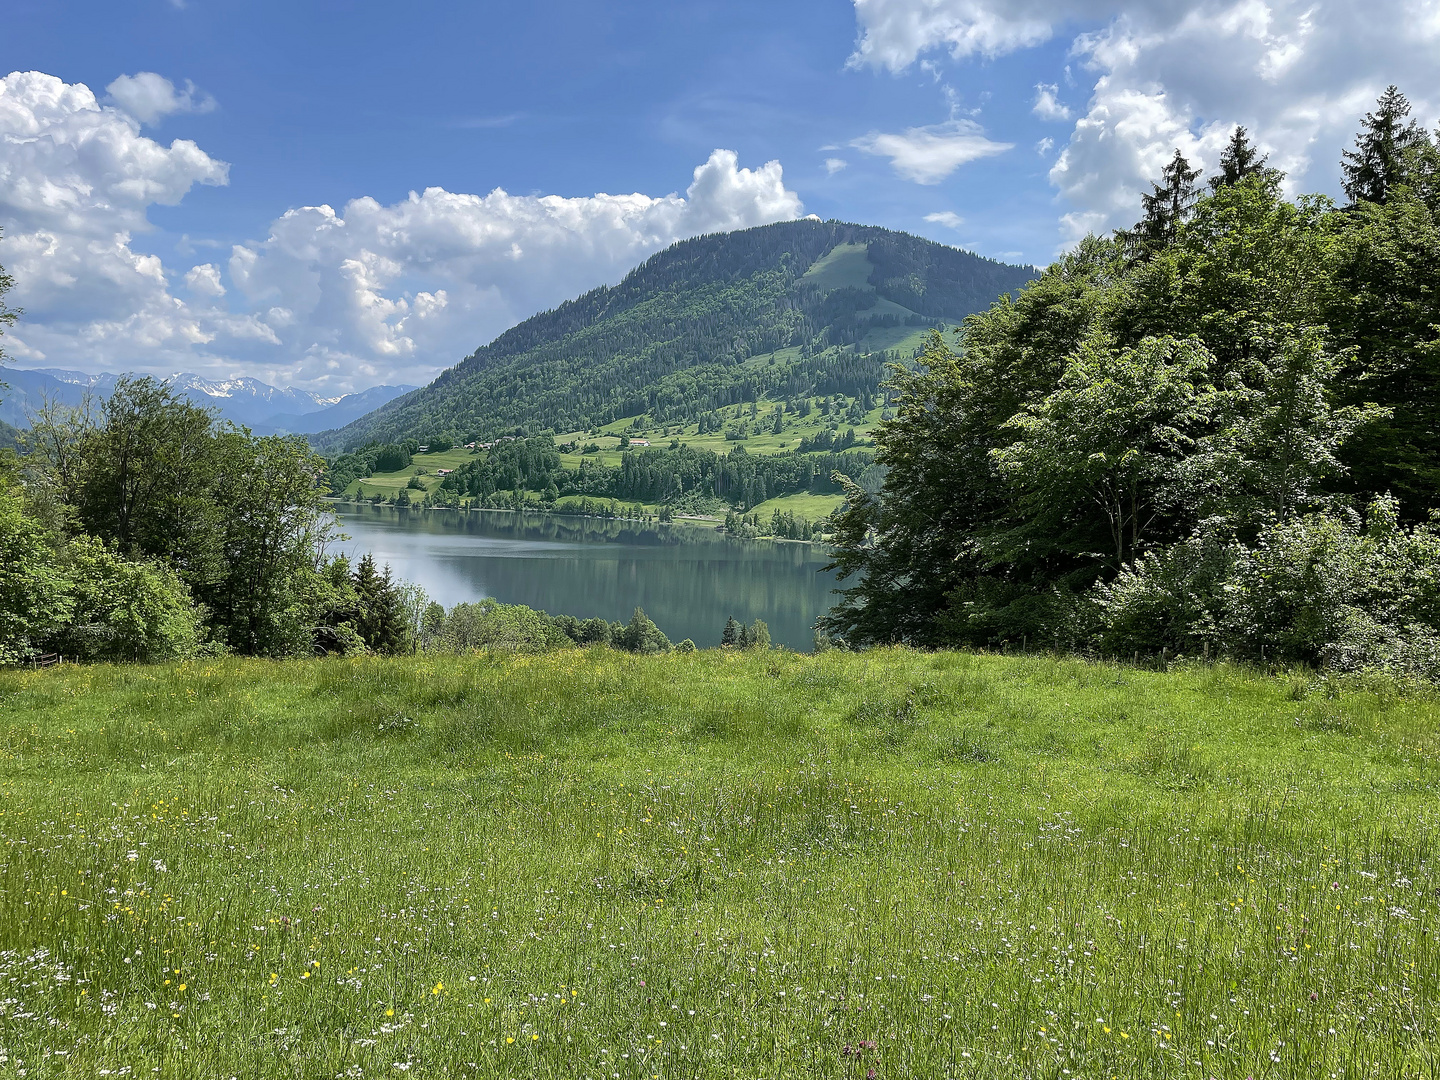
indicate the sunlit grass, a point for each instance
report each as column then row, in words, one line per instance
column 594, row 865
column 808, row 506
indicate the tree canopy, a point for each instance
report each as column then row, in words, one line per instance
column 1215, row 431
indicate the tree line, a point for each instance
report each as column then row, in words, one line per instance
column 656, row 475
column 1214, row 432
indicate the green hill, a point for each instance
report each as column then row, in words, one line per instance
column 780, row 312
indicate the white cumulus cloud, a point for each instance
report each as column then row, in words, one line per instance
column 834, row 165
column 150, row 98
column 404, row 289
column 929, row 154
column 894, row 33
column 76, row 180
column 1166, row 74
column 948, row 218
column 335, row 299
column 204, row 280
column 1047, row 103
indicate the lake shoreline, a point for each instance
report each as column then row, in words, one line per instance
column 648, row 522
column 688, row 580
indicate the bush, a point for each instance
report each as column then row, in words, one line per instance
column 490, row 624
column 34, row 593
column 641, row 636
column 1320, row 589
column 127, row 611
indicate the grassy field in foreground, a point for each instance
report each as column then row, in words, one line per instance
column 589, row 864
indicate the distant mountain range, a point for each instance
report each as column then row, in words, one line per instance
column 796, row 309
column 263, row 408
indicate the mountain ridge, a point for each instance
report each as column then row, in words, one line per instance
column 705, row 323
column 243, row 400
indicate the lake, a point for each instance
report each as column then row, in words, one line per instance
column 688, row 578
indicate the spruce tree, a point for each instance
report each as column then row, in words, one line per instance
column 1240, row 159
column 730, row 636
column 1167, row 205
column 1377, row 165
column 380, row 619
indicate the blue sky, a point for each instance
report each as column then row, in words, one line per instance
column 1007, row 128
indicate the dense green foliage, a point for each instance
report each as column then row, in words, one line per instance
column 658, row 475
column 672, row 340
column 148, row 531
column 493, row 626
column 1216, row 432
column 719, row 864
column 367, row 461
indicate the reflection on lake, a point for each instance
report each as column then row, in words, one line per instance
column 689, row 579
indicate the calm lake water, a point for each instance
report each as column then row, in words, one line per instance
column 689, row 579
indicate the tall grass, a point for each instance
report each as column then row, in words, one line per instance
column 744, row 865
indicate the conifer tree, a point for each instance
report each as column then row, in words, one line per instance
column 1241, row 158
column 730, row 636
column 1377, row 165
column 1167, row 205
column 380, row 620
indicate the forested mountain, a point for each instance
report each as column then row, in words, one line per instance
column 793, row 309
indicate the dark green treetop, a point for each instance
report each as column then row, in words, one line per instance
column 1377, row 166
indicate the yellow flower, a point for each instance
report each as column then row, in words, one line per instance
column 439, row 986
column 389, row 1012
column 509, row 1040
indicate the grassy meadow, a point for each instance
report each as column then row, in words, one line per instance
column 589, row 864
